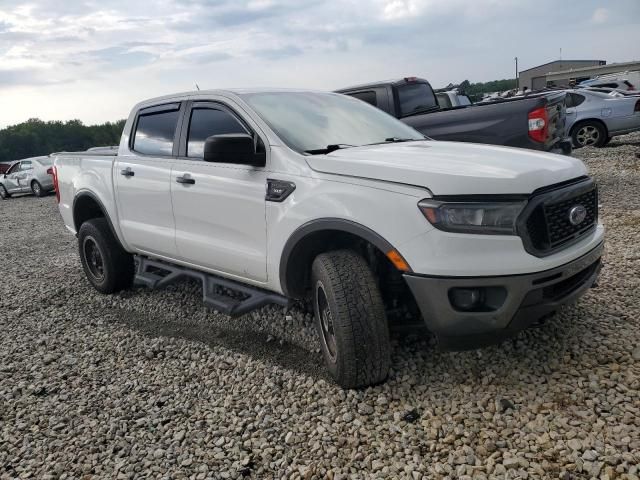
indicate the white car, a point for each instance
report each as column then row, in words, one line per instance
column 452, row 99
column 27, row 176
column 620, row 81
column 296, row 194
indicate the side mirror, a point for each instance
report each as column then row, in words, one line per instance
column 235, row 148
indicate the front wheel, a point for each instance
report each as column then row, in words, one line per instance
column 108, row 267
column 36, row 188
column 350, row 319
column 3, row 193
column 589, row 134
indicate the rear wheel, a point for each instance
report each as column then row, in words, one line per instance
column 589, row 134
column 36, row 188
column 3, row 193
column 108, row 267
column 350, row 319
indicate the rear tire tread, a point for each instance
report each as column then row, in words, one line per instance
column 119, row 265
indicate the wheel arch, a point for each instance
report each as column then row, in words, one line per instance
column 86, row 206
column 318, row 236
column 581, row 122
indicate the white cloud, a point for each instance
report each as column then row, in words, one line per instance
column 600, row 15
column 54, row 54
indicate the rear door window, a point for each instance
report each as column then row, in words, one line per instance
column 368, row 96
column 415, row 97
column 206, row 122
column 573, row 100
column 26, row 165
column 155, row 132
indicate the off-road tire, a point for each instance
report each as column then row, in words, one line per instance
column 4, row 195
column 589, row 134
column 361, row 354
column 37, row 191
column 117, row 264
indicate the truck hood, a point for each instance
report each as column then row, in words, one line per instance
column 452, row 168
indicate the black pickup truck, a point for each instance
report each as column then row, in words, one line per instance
column 535, row 121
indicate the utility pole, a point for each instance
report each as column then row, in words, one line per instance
column 517, row 79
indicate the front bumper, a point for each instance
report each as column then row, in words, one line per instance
column 529, row 298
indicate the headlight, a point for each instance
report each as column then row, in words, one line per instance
column 497, row 218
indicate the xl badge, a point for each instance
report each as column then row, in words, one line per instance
column 577, row 215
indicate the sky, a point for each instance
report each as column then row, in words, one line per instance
column 94, row 59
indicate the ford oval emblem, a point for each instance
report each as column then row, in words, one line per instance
column 577, row 215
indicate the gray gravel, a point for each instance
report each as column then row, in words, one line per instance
column 151, row 384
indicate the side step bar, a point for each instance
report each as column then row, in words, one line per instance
column 155, row 274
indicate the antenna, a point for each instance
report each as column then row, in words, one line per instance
column 197, row 87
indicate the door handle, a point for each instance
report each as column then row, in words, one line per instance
column 127, row 172
column 186, row 180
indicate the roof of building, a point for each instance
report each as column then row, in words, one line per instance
column 622, row 66
column 560, row 61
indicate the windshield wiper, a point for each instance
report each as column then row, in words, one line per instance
column 397, row 140
column 329, row 149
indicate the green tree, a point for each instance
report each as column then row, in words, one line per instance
column 36, row 137
column 475, row 91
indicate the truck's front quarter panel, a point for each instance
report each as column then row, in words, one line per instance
column 388, row 210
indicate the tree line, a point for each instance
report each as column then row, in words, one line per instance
column 36, row 137
column 475, row 91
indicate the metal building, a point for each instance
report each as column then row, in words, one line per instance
column 576, row 75
column 535, row 78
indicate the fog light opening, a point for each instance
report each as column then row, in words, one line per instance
column 467, row 299
column 477, row 299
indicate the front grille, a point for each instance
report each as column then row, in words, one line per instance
column 560, row 228
column 547, row 227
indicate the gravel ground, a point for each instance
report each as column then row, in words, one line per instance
column 151, row 384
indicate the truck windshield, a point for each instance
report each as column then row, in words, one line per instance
column 415, row 98
column 311, row 121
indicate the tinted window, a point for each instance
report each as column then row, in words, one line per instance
column 155, row 132
column 14, row 168
column 206, row 122
column 369, row 97
column 573, row 100
column 415, row 97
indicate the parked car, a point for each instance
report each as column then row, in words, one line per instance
column 534, row 121
column 295, row 194
column 452, row 99
column 28, row 175
column 4, row 166
column 612, row 92
column 621, row 81
column 593, row 118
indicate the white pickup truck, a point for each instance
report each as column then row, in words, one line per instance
column 272, row 195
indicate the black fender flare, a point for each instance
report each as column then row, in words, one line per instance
column 89, row 194
column 322, row 224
